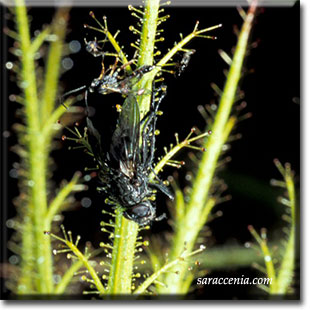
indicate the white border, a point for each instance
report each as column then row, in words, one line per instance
column 305, row 220
column 189, row 3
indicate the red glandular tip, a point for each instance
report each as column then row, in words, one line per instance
column 93, row 174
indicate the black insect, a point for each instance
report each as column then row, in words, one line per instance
column 125, row 169
column 184, row 61
column 110, row 80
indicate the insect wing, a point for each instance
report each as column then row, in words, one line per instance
column 94, row 140
column 125, row 140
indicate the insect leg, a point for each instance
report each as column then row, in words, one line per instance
column 103, row 69
column 114, row 66
column 161, row 217
column 150, row 137
column 122, row 67
column 147, row 129
column 126, row 64
column 135, row 77
column 161, row 186
column 142, row 70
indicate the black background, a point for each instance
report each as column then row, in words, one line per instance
column 271, row 85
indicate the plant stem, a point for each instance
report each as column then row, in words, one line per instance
column 38, row 146
column 25, row 281
column 270, row 270
column 146, row 51
column 55, row 205
column 53, row 63
column 37, row 156
column 125, row 234
column 142, row 288
column 67, row 278
column 81, row 258
column 187, row 229
column 286, row 270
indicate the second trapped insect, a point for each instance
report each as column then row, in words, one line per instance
column 185, row 61
column 124, row 170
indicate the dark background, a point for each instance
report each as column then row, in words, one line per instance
column 272, row 89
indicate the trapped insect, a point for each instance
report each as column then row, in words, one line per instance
column 184, row 61
column 93, row 47
column 124, row 170
column 110, row 80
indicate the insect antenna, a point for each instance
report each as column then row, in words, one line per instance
column 86, row 103
column 73, row 91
